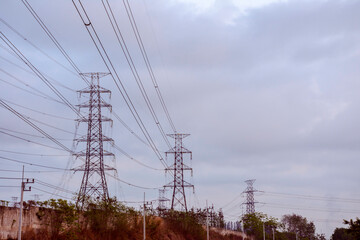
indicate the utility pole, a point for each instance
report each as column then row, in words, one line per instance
column 250, row 202
column 144, row 230
column 178, row 184
column 273, row 233
column 207, row 221
column 144, row 217
column 23, row 189
column 94, row 183
column 264, row 230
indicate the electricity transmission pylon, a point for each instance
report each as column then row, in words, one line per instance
column 178, row 184
column 250, row 201
column 94, row 185
column 162, row 201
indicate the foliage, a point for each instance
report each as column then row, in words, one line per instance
column 254, row 225
column 60, row 216
column 186, row 223
column 342, row 234
column 113, row 220
column 354, row 227
column 110, row 220
column 296, row 224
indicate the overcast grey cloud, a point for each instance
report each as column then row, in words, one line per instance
column 267, row 91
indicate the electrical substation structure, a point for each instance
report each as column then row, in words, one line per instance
column 178, row 185
column 250, row 201
column 93, row 183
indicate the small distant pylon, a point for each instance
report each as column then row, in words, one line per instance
column 178, row 184
column 162, row 201
column 250, row 201
column 94, row 183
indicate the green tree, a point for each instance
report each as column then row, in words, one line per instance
column 354, row 227
column 61, row 218
column 254, row 225
column 296, row 224
column 342, row 234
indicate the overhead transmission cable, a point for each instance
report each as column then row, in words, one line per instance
column 56, row 142
column 312, row 197
column 39, row 74
column 32, row 135
column 146, row 59
column 57, row 44
column 41, row 190
column 33, row 154
column 33, row 93
column 33, row 164
column 53, row 186
column 53, row 39
column 26, row 120
column 36, row 47
column 38, row 171
column 25, row 70
column 27, row 85
column 135, row 160
column 132, row 66
column 31, row 109
column 30, row 141
column 109, row 65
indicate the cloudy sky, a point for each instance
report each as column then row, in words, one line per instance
column 268, row 90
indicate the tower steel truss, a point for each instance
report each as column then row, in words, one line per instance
column 94, row 183
column 250, row 201
column 178, row 184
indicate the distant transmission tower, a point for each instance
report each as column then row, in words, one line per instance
column 250, row 202
column 162, row 201
column 93, row 183
column 178, row 184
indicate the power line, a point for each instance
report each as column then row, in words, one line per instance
column 30, row 141
column 52, row 79
column 89, row 26
column 312, row 197
column 135, row 160
column 33, row 154
column 19, row 115
column 55, row 187
column 282, row 206
column 35, row 94
column 233, row 200
column 37, row 48
column 46, row 96
column 133, row 185
column 132, row 66
column 31, row 135
column 39, row 74
column 146, row 59
column 31, row 109
column 53, row 39
column 129, row 129
column 58, row 45
column 51, row 193
column 17, row 171
column 34, row 164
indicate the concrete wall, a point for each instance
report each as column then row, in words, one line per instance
column 9, row 221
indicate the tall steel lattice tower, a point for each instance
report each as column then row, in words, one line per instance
column 178, row 184
column 250, row 202
column 93, row 185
